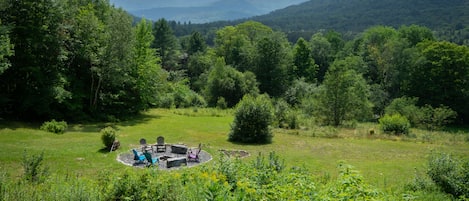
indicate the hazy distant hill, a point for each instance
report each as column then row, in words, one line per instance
column 357, row 15
column 201, row 11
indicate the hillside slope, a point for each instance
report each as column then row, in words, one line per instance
column 201, row 11
column 357, row 15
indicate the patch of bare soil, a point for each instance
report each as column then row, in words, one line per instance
column 235, row 153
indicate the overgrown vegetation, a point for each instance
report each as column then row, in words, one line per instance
column 34, row 169
column 450, row 173
column 228, row 179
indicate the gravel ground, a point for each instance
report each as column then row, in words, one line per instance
column 128, row 158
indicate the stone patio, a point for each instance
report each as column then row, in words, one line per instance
column 127, row 158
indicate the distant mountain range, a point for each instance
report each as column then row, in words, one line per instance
column 201, row 11
column 357, row 15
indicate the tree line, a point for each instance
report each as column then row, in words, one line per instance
column 84, row 59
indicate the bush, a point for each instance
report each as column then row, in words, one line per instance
column 426, row 117
column 450, row 174
column 395, row 123
column 33, row 168
column 54, row 126
column 253, row 118
column 108, row 136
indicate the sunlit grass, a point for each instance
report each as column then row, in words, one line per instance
column 385, row 161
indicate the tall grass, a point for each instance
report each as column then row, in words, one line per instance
column 386, row 162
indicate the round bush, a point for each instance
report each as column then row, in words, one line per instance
column 395, row 123
column 108, row 136
column 54, row 126
column 253, row 118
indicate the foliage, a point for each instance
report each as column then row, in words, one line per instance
column 344, row 95
column 350, row 186
column 53, row 126
column 33, row 169
column 425, row 117
column 444, row 63
column 253, row 118
column 285, row 117
column 298, row 91
column 396, row 124
column 108, row 136
column 273, row 64
column 406, row 107
column 165, row 43
column 304, row 62
column 436, row 118
column 449, row 173
column 229, row 83
column 150, row 77
column 6, row 48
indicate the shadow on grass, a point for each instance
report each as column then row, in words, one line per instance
column 250, row 144
column 81, row 127
column 96, row 127
column 18, row 124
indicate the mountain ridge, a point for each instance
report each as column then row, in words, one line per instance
column 203, row 11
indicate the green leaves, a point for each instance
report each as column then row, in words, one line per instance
column 253, row 118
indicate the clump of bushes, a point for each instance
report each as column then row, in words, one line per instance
column 426, row 117
column 54, row 126
column 450, row 174
column 108, row 136
column 396, row 124
column 253, row 118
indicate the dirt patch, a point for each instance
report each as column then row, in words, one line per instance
column 235, row 153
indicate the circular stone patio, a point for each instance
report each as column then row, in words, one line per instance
column 127, row 158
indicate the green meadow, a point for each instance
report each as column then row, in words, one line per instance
column 385, row 162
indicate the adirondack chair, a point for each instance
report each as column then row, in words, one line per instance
column 138, row 156
column 160, row 146
column 194, row 155
column 151, row 161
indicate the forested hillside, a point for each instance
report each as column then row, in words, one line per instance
column 87, row 60
column 190, row 11
column 448, row 19
column 357, row 15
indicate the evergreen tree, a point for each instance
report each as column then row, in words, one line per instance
column 165, row 44
column 304, row 63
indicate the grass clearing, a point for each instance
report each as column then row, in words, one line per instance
column 385, row 162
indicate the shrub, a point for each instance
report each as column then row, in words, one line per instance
column 395, row 123
column 436, row 118
column 33, row 170
column 221, row 103
column 54, row 126
column 108, row 136
column 253, row 118
column 450, row 174
column 426, row 117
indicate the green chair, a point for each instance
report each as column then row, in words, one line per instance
column 152, row 161
column 138, row 156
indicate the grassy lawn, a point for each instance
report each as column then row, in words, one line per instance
column 385, row 162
